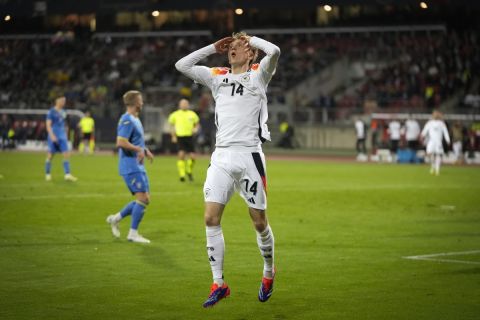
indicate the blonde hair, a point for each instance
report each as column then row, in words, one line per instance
column 237, row 36
column 129, row 98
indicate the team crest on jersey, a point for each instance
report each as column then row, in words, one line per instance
column 254, row 66
column 245, row 78
column 220, row 71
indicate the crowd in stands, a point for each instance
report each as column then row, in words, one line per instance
column 424, row 70
column 418, row 70
column 14, row 132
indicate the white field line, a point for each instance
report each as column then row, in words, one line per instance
column 433, row 257
column 87, row 195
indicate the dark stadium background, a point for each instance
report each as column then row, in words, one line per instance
column 352, row 58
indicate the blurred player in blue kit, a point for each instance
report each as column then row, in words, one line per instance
column 57, row 139
column 132, row 152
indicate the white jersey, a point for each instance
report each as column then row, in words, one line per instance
column 434, row 132
column 394, row 130
column 240, row 99
column 412, row 130
column 360, row 129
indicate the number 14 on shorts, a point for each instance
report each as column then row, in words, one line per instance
column 253, row 187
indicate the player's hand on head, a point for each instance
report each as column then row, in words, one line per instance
column 246, row 42
column 221, row 46
column 245, row 38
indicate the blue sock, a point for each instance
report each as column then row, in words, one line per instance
column 66, row 166
column 48, row 166
column 127, row 210
column 137, row 214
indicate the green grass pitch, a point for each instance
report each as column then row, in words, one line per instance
column 341, row 230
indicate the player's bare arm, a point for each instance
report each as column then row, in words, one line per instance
column 126, row 145
column 173, row 134
column 269, row 62
column 50, row 131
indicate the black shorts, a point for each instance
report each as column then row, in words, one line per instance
column 394, row 146
column 412, row 144
column 87, row 136
column 185, row 144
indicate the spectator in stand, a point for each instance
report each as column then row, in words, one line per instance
column 472, row 100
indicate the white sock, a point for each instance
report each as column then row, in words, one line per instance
column 266, row 242
column 216, row 252
column 117, row 217
column 438, row 161
column 133, row 233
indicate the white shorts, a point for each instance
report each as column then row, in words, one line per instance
column 434, row 148
column 237, row 170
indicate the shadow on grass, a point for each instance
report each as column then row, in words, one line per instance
column 59, row 244
column 475, row 270
column 155, row 255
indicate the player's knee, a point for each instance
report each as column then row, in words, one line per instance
column 259, row 219
column 143, row 199
column 211, row 220
column 143, row 203
column 146, row 200
column 260, row 225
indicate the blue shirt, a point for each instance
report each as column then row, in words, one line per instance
column 130, row 128
column 58, row 122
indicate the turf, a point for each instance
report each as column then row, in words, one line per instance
column 341, row 231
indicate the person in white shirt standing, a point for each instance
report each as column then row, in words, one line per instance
column 412, row 132
column 394, row 133
column 238, row 162
column 432, row 135
column 360, row 129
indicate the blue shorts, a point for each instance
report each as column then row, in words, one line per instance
column 137, row 182
column 60, row 146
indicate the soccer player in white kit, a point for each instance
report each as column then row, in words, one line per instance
column 238, row 162
column 433, row 134
column 360, row 129
column 412, row 131
column 394, row 132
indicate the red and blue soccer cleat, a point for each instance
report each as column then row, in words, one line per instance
column 266, row 288
column 217, row 293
